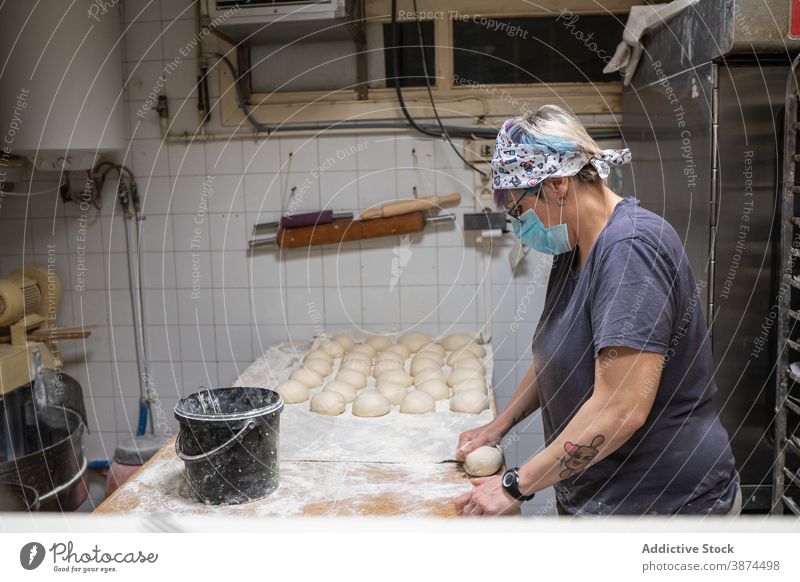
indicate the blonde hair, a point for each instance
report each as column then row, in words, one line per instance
column 559, row 129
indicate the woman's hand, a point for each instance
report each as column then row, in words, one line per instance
column 468, row 441
column 487, row 498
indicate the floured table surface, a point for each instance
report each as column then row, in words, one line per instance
column 329, row 466
column 306, row 488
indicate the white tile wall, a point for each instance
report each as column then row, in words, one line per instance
column 248, row 301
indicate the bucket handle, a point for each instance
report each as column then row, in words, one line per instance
column 223, row 447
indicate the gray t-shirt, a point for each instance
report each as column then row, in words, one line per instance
column 637, row 289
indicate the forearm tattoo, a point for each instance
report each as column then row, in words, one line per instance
column 578, row 457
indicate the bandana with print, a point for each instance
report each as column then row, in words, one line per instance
column 524, row 165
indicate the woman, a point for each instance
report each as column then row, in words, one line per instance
column 622, row 368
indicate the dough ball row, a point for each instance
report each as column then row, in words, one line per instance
column 415, row 391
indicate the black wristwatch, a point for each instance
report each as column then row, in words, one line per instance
column 511, row 485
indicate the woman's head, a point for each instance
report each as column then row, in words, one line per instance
column 552, row 133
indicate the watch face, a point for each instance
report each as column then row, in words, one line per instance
column 508, row 479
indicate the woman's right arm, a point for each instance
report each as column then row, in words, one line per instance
column 524, row 402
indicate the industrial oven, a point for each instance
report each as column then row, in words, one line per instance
column 704, row 118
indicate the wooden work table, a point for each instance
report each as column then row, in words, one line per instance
column 309, row 488
column 306, row 488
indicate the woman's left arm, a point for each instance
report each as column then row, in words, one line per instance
column 626, row 381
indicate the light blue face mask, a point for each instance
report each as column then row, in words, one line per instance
column 532, row 233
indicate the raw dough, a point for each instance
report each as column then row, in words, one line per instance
column 387, row 355
column 471, row 364
column 386, row 365
column 432, row 349
column 328, row 402
column 371, row 403
column 318, row 365
column 471, row 384
column 483, row 461
column 379, row 342
column 415, row 340
column 348, row 391
column 318, row 354
column 469, row 401
column 393, row 391
column 334, row 348
column 462, row 354
column 437, row 389
column 352, row 377
column 419, row 364
column 428, row 374
column 309, row 378
column 395, row 376
column 460, row 374
column 418, row 402
column 357, row 356
column 293, row 392
column 476, row 349
column 358, row 364
column 365, row 349
column 456, row 340
column 345, row 341
column 404, row 352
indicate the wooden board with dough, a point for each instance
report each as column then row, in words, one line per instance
column 393, row 438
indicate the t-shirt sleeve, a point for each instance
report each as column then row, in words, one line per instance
column 633, row 298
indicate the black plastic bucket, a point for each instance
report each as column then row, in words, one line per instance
column 15, row 496
column 228, row 441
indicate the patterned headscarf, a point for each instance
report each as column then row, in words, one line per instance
column 522, row 165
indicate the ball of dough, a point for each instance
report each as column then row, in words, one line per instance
column 309, row 378
column 459, row 355
column 334, row 348
column 420, row 364
column 328, row 402
column 352, row 377
column 371, row 403
column 437, row 389
column 358, row 364
column 476, row 349
column 417, row 402
column 350, row 356
column 471, row 384
column 344, row 340
column 415, row 340
column 469, row 401
column 293, row 392
column 428, row 374
column 314, row 354
column 365, row 349
column 393, row 391
column 386, row 365
column 395, row 377
column 318, row 365
column 460, row 374
column 470, row 363
column 456, row 340
column 400, row 349
column 483, row 461
column 379, row 342
column 432, row 349
column 387, row 355
column 348, row 391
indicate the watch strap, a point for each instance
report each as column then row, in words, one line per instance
column 510, row 483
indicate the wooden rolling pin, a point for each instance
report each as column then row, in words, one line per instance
column 59, row 333
column 345, row 230
column 410, row 205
